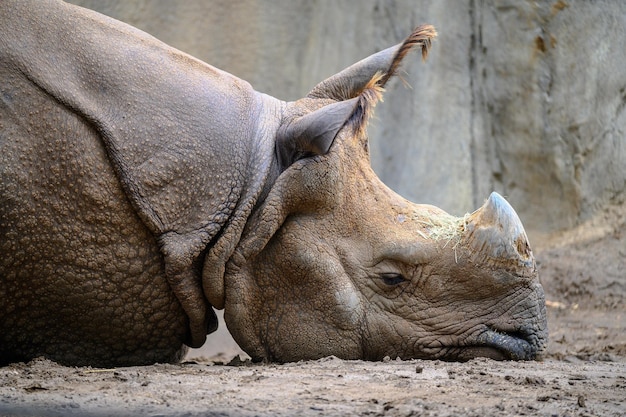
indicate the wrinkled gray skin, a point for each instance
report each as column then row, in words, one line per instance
column 140, row 188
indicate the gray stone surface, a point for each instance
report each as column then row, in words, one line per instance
column 549, row 96
column 523, row 97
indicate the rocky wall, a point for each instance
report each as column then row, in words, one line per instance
column 523, row 97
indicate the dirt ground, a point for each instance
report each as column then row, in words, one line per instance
column 583, row 373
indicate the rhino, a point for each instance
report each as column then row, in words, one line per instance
column 141, row 189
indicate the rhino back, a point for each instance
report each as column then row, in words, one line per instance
column 77, row 263
column 177, row 131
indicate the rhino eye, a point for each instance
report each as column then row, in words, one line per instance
column 392, row 278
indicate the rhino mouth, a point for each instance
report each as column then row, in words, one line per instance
column 500, row 345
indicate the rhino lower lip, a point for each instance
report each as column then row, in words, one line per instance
column 506, row 345
column 499, row 346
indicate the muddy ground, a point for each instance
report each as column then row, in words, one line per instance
column 583, row 373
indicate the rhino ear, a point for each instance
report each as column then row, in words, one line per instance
column 351, row 81
column 312, row 134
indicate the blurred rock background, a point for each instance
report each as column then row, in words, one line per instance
column 523, row 97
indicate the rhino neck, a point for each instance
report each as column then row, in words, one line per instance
column 261, row 171
column 263, row 159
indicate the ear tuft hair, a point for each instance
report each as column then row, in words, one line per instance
column 422, row 37
column 372, row 92
column 368, row 98
column 350, row 82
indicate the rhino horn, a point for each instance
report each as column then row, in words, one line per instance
column 350, row 82
column 495, row 236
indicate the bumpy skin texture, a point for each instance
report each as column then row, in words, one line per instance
column 124, row 163
column 77, row 263
column 141, row 187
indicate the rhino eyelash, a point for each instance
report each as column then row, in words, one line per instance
column 392, row 279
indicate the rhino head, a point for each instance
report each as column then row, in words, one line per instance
column 333, row 262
